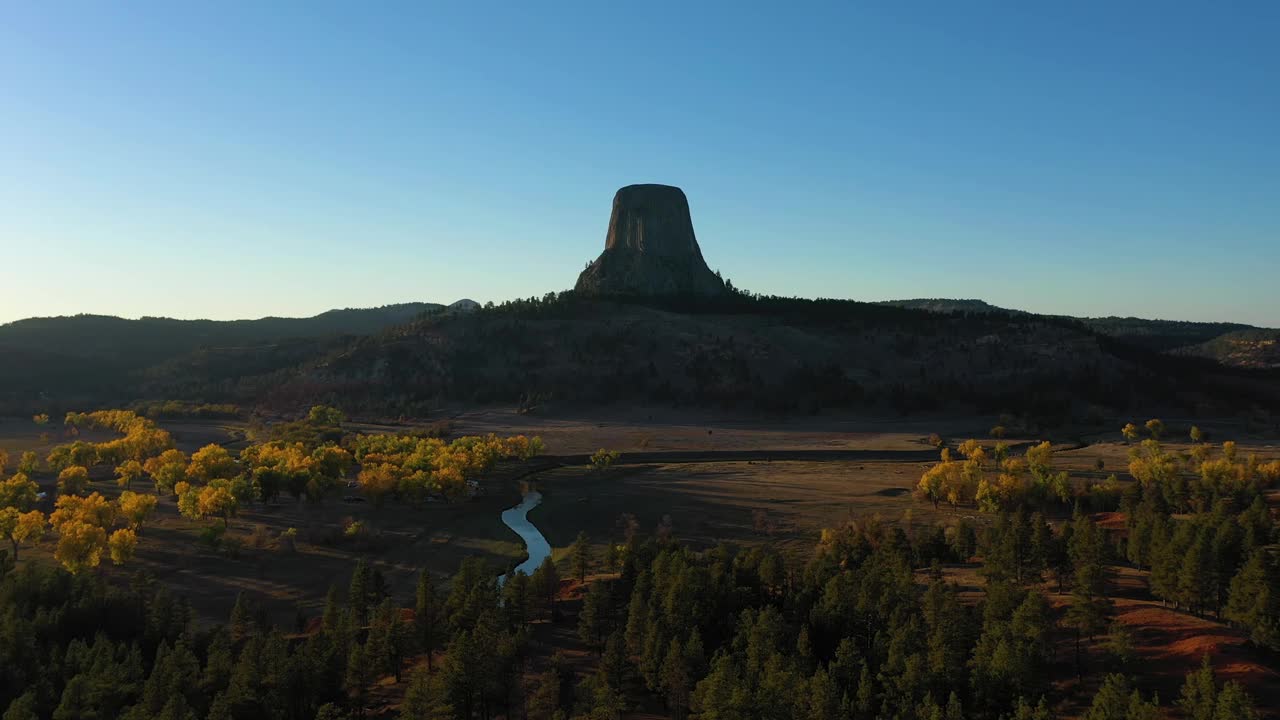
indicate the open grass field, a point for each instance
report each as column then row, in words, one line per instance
column 784, row 503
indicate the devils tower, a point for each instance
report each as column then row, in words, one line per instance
column 650, row 248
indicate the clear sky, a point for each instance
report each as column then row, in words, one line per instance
column 243, row 159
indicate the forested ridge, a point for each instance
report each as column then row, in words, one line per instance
column 742, row 351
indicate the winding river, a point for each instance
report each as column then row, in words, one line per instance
column 517, row 518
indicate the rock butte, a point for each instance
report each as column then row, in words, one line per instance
column 650, row 248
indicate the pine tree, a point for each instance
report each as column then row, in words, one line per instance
column 426, row 616
column 359, row 676
column 1138, row 547
column 1225, row 549
column 332, row 611
column 1199, row 696
column 954, row 711
column 1166, row 561
column 638, row 614
column 613, row 662
column 1090, row 606
column 580, row 556
column 866, row 699
column 822, row 699
column 593, row 618
column 330, row 711
column 242, row 623
column 425, row 698
column 1234, row 704
column 544, row 701
column 1025, row 711
column 23, row 707
column 176, row 708
column 1116, row 700
column 675, row 680
column 546, row 583
column 1254, row 599
column 695, row 657
column 358, row 593
column 515, row 600
column 77, row 703
column 1194, row 583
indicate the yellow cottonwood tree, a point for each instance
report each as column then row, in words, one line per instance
column 122, row 545
column 73, row 480
column 18, row 492
column 136, row 508
column 19, row 527
column 1130, row 432
column 93, row 509
column 80, row 545
column 127, row 472
column 211, row 462
column 379, row 481
column 166, row 470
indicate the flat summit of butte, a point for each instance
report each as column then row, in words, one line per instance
column 650, row 248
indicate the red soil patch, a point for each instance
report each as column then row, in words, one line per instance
column 1110, row 520
column 1171, row 643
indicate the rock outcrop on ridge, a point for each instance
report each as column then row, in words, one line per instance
column 650, row 248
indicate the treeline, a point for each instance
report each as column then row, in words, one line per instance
column 312, row 463
column 181, row 410
column 1193, row 481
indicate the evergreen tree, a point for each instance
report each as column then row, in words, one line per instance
column 864, row 709
column 822, row 699
column 1254, row 599
column 1116, row 700
column 332, row 616
column 1025, row 711
column 176, row 708
column 613, row 663
column 1194, row 581
column 544, row 701
column 593, row 618
column 77, row 703
column 23, row 707
column 425, row 698
column 359, row 677
column 242, row 618
column 330, row 711
column 1089, row 608
column 546, row 584
column 218, row 664
column 426, row 616
column 359, row 591
column 580, row 556
column 675, row 680
column 1199, row 697
column 1234, row 704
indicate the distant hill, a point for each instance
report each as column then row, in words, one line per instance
column 152, row 338
column 946, row 305
column 1162, row 335
column 87, row 356
column 465, row 305
column 1157, row 335
column 1253, row 348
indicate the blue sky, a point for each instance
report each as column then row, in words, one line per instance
column 243, row 159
